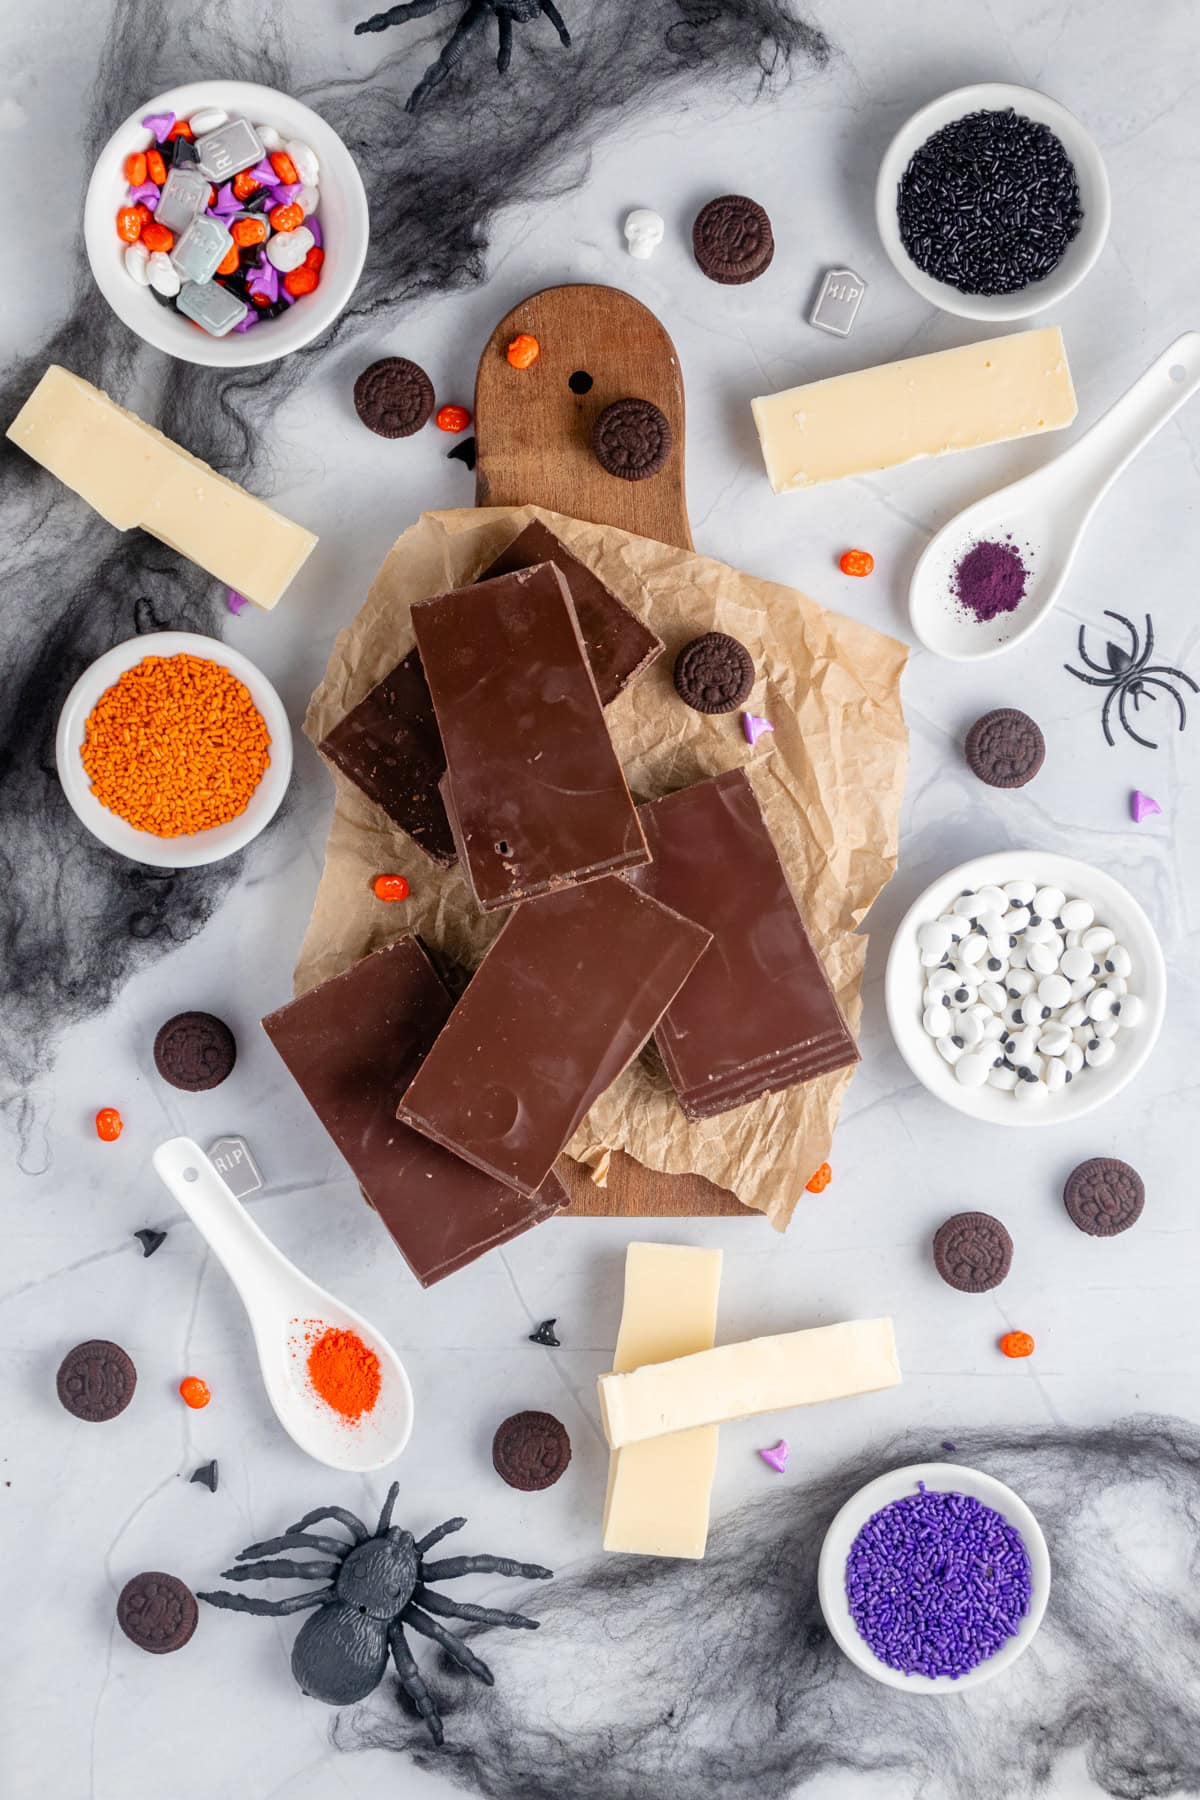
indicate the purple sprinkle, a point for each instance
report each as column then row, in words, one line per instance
column 1142, row 806
column 226, row 202
column 286, row 192
column 754, row 727
column 957, row 1568
column 160, row 124
column 148, row 194
column 251, row 318
column 314, row 225
column 990, row 579
column 265, row 281
column 947, row 1445
column 776, row 1457
column 263, row 172
column 235, row 601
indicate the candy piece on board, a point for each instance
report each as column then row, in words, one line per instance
column 754, row 727
column 776, row 1457
column 150, row 1240
column 545, row 1334
column 644, row 231
column 1142, row 806
column 837, row 303
column 231, row 1158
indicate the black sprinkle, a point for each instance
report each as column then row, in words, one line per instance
column 257, row 201
column 989, row 203
column 545, row 1334
column 206, row 1475
column 150, row 1240
column 463, row 453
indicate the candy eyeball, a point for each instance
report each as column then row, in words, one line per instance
column 644, row 232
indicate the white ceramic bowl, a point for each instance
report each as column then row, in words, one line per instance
column 941, row 1478
column 1081, row 253
column 342, row 212
column 142, row 846
column 1115, row 906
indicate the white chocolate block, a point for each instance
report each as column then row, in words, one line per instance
column 768, row 1374
column 134, row 476
column 1005, row 387
column 658, row 1491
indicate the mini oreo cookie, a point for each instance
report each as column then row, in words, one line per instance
column 157, row 1612
column 732, row 240
column 714, row 673
column 394, row 397
column 632, row 439
column 973, row 1252
column 1104, row 1196
column 195, row 1051
column 96, row 1380
column 1005, row 748
column 531, row 1450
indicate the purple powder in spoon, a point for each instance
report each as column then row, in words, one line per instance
column 990, row 579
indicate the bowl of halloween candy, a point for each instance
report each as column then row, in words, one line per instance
column 1025, row 988
column 226, row 223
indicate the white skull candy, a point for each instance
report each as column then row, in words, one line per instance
column 644, row 232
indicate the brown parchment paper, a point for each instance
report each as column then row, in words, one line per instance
column 829, row 779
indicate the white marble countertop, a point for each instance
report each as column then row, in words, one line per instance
column 1115, row 1322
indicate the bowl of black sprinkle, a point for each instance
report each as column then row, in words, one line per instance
column 993, row 202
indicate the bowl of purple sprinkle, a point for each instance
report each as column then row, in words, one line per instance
column 934, row 1578
column 993, row 202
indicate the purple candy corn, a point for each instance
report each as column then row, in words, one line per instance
column 160, row 124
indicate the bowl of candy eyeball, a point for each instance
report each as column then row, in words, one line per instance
column 993, row 202
column 226, row 223
column 973, row 1565
column 1025, row 988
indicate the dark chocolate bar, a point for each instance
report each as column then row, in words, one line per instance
column 390, row 747
column 757, row 1013
column 618, row 645
column 389, row 743
column 535, row 794
column 353, row 1045
column 565, row 998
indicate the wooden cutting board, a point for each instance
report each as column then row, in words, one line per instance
column 533, row 431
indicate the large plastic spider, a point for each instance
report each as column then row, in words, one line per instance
column 507, row 13
column 377, row 1585
column 1129, row 676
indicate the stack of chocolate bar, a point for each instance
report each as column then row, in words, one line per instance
column 488, row 744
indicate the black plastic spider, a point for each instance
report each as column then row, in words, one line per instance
column 378, row 1584
column 507, row 13
column 1129, row 675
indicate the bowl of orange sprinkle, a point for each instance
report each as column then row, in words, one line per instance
column 174, row 750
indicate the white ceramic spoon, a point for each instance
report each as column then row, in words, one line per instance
column 279, row 1300
column 1045, row 514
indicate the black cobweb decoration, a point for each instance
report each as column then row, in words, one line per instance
column 1130, row 676
column 717, row 1680
column 77, row 922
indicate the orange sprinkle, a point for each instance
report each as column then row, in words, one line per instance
column 194, row 1391
column 175, row 746
column 287, row 217
column 301, row 281
column 245, row 184
column 1017, row 1343
column 315, row 257
column 248, row 231
column 156, row 168
column 816, row 1184
column 856, row 562
column 524, row 351
column 109, row 1124
column 453, row 418
column 129, row 223
column 135, row 168
column 179, row 129
column 284, row 167
column 229, row 262
column 390, row 887
column 156, row 236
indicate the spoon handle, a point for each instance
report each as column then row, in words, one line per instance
column 256, row 1268
column 1115, row 439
